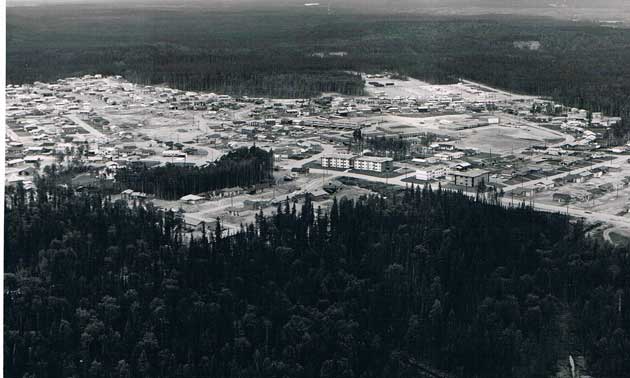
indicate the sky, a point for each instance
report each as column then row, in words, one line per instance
column 584, row 9
column 410, row 3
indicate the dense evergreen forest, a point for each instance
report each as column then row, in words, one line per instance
column 242, row 167
column 285, row 52
column 378, row 287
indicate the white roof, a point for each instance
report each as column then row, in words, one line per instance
column 191, row 197
column 472, row 173
column 374, row 159
column 338, row 156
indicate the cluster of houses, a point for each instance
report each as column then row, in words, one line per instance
column 591, row 193
column 40, row 114
column 581, row 193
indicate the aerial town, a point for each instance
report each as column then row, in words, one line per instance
column 466, row 137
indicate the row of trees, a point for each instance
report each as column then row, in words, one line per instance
column 242, row 167
column 371, row 288
column 398, row 148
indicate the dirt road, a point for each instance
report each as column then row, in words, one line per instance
column 74, row 118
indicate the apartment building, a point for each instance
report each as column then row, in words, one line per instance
column 373, row 163
column 340, row 161
column 431, row 172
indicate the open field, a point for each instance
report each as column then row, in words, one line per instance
column 468, row 90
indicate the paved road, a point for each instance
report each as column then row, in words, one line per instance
column 548, row 180
column 593, row 216
column 612, row 219
column 330, row 174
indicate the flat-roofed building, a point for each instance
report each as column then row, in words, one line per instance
column 341, row 161
column 470, row 178
column 173, row 153
column 431, row 172
column 373, row 163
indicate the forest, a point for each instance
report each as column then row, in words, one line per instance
column 286, row 51
column 243, row 167
column 398, row 149
column 390, row 285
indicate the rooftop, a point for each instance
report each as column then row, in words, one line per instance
column 472, row 173
column 338, row 156
column 374, row 159
column 191, row 197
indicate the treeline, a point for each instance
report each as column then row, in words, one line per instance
column 397, row 148
column 285, row 52
column 243, row 167
column 371, row 288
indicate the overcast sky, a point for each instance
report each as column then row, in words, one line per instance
column 434, row 3
column 583, row 9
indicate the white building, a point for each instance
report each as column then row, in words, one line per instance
column 341, row 161
column 362, row 163
column 373, row 163
column 173, row 153
column 431, row 172
column 192, row 199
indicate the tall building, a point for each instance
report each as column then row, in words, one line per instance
column 471, row 178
